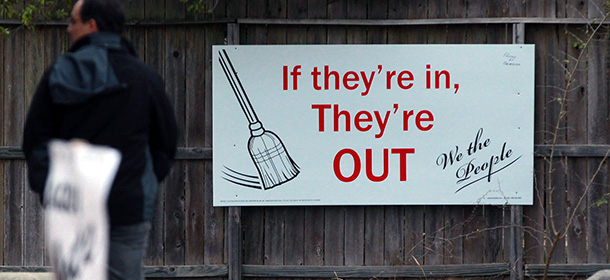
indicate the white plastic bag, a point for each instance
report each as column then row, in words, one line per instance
column 76, row 219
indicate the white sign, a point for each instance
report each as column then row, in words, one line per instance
column 76, row 219
column 373, row 124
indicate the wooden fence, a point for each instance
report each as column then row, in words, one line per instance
column 190, row 238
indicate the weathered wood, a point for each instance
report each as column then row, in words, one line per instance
column 515, row 237
column 185, row 271
column 414, row 235
column 576, row 133
column 254, row 217
column 566, row 270
column 498, row 8
column 516, row 8
column 474, row 225
column 149, row 271
column 373, row 237
column 556, row 134
column 34, row 222
column 598, row 131
column 494, row 234
column 336, row 34
column 14, row 116
column 194, row 136
column 394, row 239
column 516, row 242
column 337, row 21
column 576, row 8
column 234, row 232
column 376, row 271
column 276, row 34
column 253, row 223
column 355, row 228
column 134, row 9
column 540, row 9
column 534, row 215
column 154, row 55
column 174, row 70
column 595, row 9
column 334, row 235
column 313, row 244
column 274, row 235
column 295, row 216
column 255, row 34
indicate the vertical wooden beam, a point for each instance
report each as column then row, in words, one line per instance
column 195, row 135
column 175, row 87
column 154, row 51
column 598, row 131
column 14, row 116
column 234, row 233
column 516, row 211
column 215, row 218
column 34, row 222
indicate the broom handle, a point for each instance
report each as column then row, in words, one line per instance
column 237, row 87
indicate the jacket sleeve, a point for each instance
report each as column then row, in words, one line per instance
column 40, row 127
column 163, row 132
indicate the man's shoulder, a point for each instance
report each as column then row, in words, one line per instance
column 134, row 68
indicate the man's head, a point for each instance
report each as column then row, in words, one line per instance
column 90, row 16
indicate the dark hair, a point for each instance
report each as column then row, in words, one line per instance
column 108, row 14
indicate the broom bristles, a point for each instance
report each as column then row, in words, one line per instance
column 271, row 159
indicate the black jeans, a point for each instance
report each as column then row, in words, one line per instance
column 126, row 254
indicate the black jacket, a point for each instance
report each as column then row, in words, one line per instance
column 101, row 92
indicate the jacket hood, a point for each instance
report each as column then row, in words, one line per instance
column 85, row 71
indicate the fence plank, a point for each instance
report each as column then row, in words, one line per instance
column 174, row 65
column 394, row 240
column 295, row 216
column 313, row 244
column 254, row 217
column 455, row 215
column 516, row 8
column 598, row 134
column 355, row 228
column 498, row 8
column 534, row 215
column 14, row 183
column 154, row 56
column 217, row 219
column 576, row 8
column 359, row 227
column 576, row 133
column 274, row 235
column 313, row 224
column 414, row 215
column 253, row 223
column 336, row 10
column 195, row 132
column 376, row 272
column 373, row 235
column 334, row 235
column 555, row 127
column 34, row 225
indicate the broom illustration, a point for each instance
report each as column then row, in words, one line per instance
column 267, row 151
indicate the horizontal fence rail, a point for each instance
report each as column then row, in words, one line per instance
column 374, row 272
column 342, row 22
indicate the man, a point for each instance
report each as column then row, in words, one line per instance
column 101, row 92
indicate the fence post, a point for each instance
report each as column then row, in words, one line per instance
column 516, row 211
column 234, row 233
